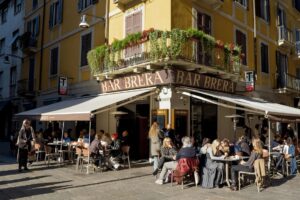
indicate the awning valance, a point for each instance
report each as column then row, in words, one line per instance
column 251, row 104
column 82, row 109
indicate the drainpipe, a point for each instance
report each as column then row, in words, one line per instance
column 106, row 22
column 42, row 47
column 254, row 40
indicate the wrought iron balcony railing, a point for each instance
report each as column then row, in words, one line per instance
column 28, row 43
column 26, row 87
column 288, row 81
column 167, row 49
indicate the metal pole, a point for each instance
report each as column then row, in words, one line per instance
column 88, row 165
column 62, row 135
column 269, row 129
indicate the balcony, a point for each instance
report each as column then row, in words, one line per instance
column 124, row 4
column 288, row 83
column 28, row 43
column 285, row 37
column 154, row 50
column 215, row 4
column 25, row 88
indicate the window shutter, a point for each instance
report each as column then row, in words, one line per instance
column 268, row 10
column 51, row 16
column 60, row 11
column 37, row 25
column 79, row 5
column 128, row 30
column 94, row 1
column 137, row 27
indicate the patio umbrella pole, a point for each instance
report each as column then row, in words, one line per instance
column 62, row 135
column 88, row 166
column 269, row 161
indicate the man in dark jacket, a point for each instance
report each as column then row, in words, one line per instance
column 187, row 151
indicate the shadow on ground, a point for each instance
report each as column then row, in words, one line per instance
column 32, row 189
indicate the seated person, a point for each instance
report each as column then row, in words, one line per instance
column 125, row 138
column 290, row 156
column 225, row 148
column 187, row 151
column 94, row 149
column 248, row 166
column 168, row 153
column 115, row 145
column 212, row 164
column 66, row 138
column 242, row 147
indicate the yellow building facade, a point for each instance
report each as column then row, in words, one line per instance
column 58, row 46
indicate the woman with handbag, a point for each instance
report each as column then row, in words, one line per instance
column 25, row 137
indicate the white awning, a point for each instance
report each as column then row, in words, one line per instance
column 251, row 104
column 82, row 109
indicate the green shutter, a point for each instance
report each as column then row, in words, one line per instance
column 37, row 25
column 79, row 5
column 60, row 12
column 51, row 16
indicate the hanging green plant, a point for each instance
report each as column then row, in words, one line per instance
column 95, row 57
column 164, row 45
column 178, row 38
column 155, row 50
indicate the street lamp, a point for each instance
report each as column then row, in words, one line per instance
column 84, row 24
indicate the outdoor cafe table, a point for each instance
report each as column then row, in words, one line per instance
column 56, row 145
column 228, row 160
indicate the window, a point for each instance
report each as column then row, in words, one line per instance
column 14, row 45
column 54, row 62
column 13, row 81
column 133, row 24
column 264, row 56
column 263, row 9
column 204, row 24
column 17, row 6
column 297, row 41
column 296, row 4
column 241, row 40
column 3, row 13
column 33, row 26
column 34, row 4
column 298, row 73
column 2, row 45
column 31, row 74
column 282, row 67
column 56, row 13
column 86, row 45
column 83, row 4
column 244, row 3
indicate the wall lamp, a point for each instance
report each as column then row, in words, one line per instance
column 84, row 24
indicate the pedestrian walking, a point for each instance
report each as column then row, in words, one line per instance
column 25, row 138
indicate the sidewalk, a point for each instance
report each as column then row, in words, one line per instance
column 65, row 183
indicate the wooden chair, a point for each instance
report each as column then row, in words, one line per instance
column 38, row 151
column 259, row 173
column 125, row 154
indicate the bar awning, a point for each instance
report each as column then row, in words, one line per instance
column 82, row 109
column 259, row 106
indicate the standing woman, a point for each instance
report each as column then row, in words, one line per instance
column 154, row 143
column 26, row 135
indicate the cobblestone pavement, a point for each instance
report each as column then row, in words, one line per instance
column 63, row 182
